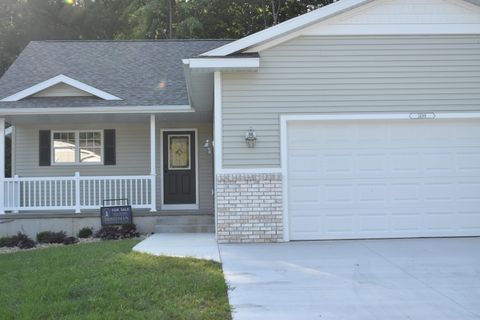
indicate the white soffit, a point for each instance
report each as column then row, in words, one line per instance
column 33, row 90
column 222, row 63
column 367, row 17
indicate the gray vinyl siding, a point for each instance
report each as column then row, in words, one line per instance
column 132, row 158
column 320, row 74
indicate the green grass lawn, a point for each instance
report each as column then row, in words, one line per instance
column 106, row 280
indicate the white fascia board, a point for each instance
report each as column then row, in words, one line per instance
column 56, row 80
column 222, row 63
column 287, row 27
column 98, row 110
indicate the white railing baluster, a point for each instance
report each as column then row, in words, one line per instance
column 82, row 185
column 131, row 191
column 115, row 188
column 94, row 192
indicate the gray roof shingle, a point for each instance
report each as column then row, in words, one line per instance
column 131, row 70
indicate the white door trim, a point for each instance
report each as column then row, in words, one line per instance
column 410, row 116
column 164, row 206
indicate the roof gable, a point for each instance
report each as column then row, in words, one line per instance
column 41, row 87
column 61, row 90
column 368, row 17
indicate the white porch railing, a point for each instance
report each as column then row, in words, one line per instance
column 77, row 192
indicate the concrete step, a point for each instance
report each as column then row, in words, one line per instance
column 186, row 220
column 210, row 228
column 185, row 223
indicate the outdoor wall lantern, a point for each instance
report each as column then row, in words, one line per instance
column 251, row 138
column 208, row 146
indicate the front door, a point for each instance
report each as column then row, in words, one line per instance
column 179, row 168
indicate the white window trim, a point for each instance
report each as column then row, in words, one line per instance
column 189, row 155
column 77, row 149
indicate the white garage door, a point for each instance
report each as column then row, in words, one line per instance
column 354, row 179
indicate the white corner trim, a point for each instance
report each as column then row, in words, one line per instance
column 223, row 63
column 286, row 27
column 284, row 167
column 56, row 80
column 217, row 139
column 217, row 134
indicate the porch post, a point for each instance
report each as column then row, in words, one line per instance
column 2, row 165
column 153, row 164
column 77, row 192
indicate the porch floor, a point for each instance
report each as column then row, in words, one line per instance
column 96, row 213
column 183, row 245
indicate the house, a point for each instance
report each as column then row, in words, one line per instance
column 357, row 120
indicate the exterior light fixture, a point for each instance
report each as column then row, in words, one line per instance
column 208, row 146
column 251, row 138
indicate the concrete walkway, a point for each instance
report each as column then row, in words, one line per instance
column 183, row 245
column 417, row 279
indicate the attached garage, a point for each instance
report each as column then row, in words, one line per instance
column 381, row 176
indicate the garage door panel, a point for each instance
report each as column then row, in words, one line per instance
column 399, row 179
column 363, row 165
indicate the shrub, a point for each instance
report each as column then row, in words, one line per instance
column 51, row 237
column 129, row 231
column 70, row 240
column 7, row 242
column 4, row 241
column 117, row 232
column 19, row 240
column 85, row 232
column 26, row 243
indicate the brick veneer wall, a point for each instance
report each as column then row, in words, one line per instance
column 249, row 208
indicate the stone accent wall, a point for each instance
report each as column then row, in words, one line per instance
column 249, row 208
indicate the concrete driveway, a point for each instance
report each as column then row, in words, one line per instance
column 372, row 279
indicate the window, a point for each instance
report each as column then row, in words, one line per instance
column 77, row 147
column 179, row 152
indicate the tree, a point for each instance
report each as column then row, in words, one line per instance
column 24, row 20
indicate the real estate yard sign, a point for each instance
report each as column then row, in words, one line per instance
column 116, row 215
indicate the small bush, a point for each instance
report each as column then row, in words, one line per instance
column 85, row 232
column 8, row 242
column 26, row 243
column 51, row 237
column 4, row 242
column 19, row 240
column 117, row 232
column 70, row 240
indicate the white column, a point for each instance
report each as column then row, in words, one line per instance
column 2, row 165
column 77, row 192
column 153, row 163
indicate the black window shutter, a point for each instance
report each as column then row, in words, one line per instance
column 44, row 143
column 109, row 149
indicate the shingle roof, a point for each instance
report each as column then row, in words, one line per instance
column 142, row 73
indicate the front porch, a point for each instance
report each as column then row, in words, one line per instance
column 138, row 175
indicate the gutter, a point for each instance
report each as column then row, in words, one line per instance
column 98, row 110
